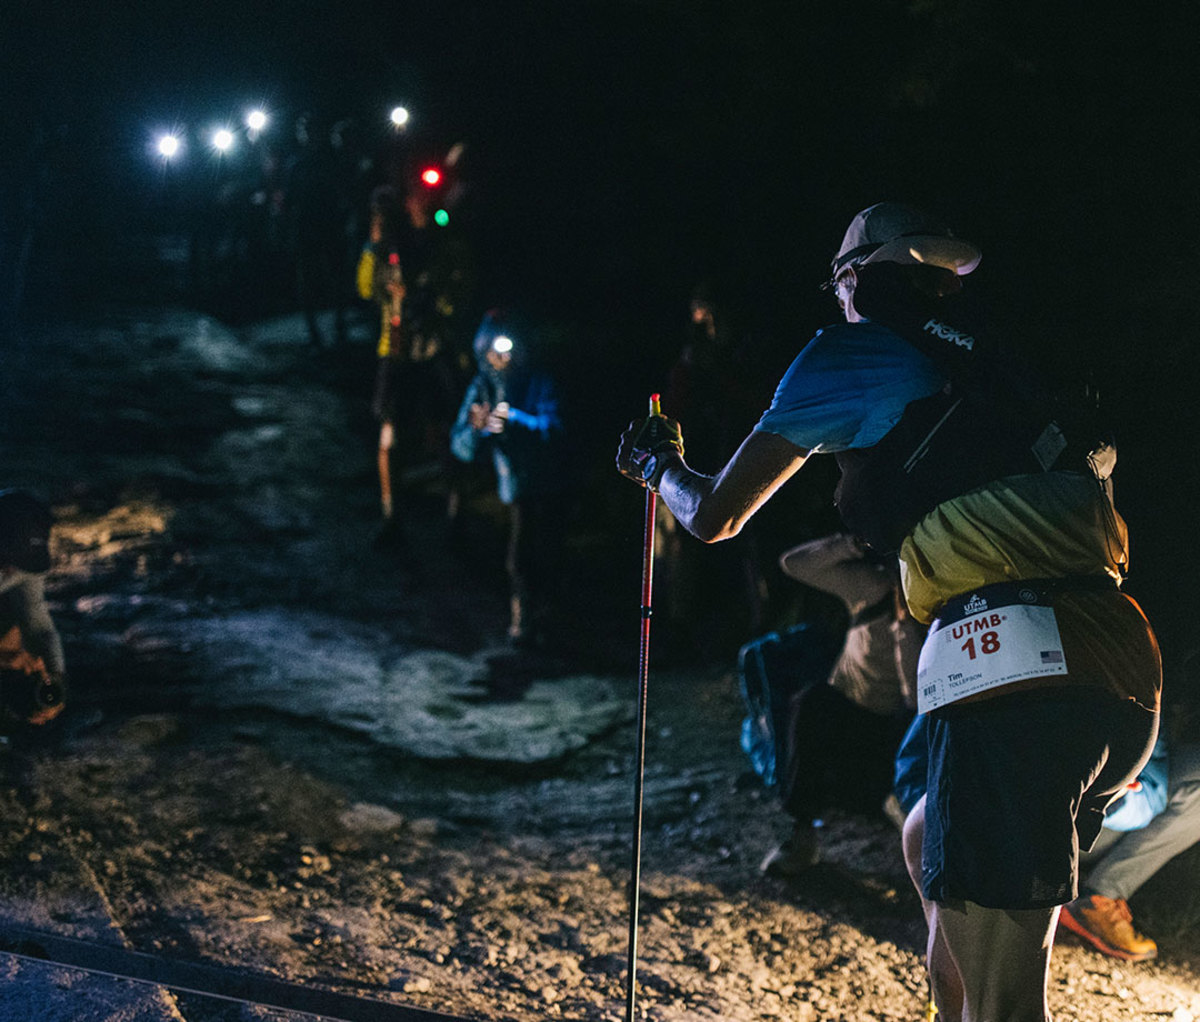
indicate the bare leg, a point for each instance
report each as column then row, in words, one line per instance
column 1002, row 957
column 386, row 438
column 943, row 972
column 514, row 563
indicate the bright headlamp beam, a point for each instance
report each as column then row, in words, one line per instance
column 222, row 140
column 399, row 116
column 502, row 344
column 256, row 120
column 168, row 146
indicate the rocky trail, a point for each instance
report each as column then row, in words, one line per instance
column 297, row 755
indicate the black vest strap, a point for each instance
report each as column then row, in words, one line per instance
column 994, row 418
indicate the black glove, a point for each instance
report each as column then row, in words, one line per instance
column 647, row 447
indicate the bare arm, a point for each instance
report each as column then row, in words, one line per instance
column 713, row 508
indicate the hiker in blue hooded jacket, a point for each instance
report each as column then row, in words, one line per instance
column 510, row 412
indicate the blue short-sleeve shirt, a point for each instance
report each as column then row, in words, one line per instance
column 848, row 388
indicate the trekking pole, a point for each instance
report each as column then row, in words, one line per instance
column 640, row 755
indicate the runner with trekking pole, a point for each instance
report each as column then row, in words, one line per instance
column 1017, row 540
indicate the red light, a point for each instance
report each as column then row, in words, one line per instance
column 431, row 176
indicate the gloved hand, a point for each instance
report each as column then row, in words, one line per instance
column 648, row 447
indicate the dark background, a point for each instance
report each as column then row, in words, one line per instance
column 618, row 152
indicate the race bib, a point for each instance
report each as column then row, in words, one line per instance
column 986, row 643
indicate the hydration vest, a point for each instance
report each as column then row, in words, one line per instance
column 995, row 417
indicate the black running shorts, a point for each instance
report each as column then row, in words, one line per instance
column 1018, row 784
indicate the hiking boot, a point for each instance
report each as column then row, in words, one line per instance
column 792, row 858
column 1107, row 925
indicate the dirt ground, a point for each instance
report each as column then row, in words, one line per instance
column 295, row 753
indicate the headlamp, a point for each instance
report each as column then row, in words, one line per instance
column 168, row 146
column 502, row 344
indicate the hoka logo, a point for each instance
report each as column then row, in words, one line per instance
column 946, row 333
column 974, row 605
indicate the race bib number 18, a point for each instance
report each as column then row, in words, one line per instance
column 987, row 648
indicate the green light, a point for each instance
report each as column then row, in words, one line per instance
column 441, row 218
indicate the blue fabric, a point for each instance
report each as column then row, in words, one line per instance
column 848, row 388
column 525, row 455
column 912, row 760
column 771, row 669
column 1136, row 808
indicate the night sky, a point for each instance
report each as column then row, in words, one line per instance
column 622, row 148
column 618, row 152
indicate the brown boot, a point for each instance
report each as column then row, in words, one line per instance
column 1106, row 924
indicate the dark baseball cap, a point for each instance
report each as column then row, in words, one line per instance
column 898, row 233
